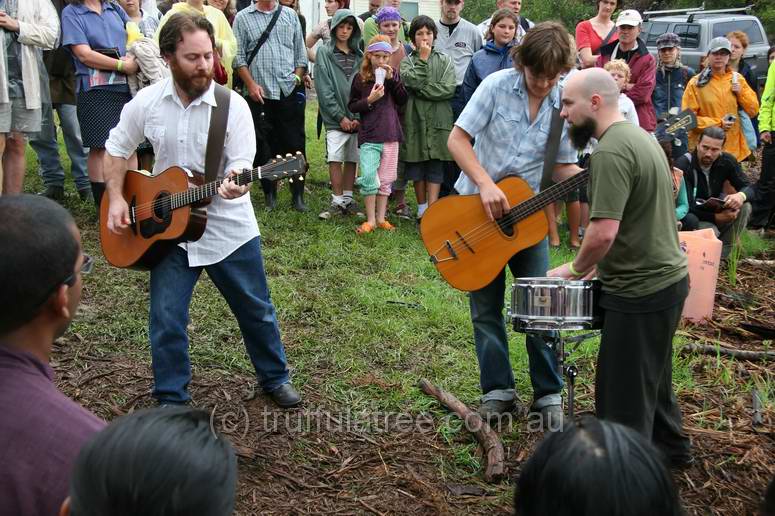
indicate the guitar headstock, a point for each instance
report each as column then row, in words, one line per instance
column 291, row 165
column 686, row 119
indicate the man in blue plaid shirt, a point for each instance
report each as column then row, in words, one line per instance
column 509, row 116
column 274, row 85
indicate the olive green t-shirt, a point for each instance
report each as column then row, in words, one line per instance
column 630, row 182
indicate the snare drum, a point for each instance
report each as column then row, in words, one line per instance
column 555, row 304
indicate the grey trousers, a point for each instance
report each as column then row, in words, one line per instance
column 728, row 233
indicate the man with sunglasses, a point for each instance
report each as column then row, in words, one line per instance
column 41, row 429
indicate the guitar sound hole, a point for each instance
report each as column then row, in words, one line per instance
column 161, row 206
column 507, row 226
column 162, row 216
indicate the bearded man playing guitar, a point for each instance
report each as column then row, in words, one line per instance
column 510, row 116
column 174, row 114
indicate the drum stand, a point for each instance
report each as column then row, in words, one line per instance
column 558, row 342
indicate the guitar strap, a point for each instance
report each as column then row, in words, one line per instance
column 216, row 135
column 552, row 148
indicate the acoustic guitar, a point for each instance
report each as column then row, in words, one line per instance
column 468, row 249
column 165, row 210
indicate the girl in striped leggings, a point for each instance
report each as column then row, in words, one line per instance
column 376, row 93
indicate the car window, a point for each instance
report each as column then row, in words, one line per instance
column 750, row 27
column 654, row 30
column 689, row 34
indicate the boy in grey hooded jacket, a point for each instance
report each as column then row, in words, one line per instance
column 337, row 63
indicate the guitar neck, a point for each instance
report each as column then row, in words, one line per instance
column 276, row 169
column 546, row 197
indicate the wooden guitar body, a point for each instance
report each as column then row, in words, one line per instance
column 468, row 249
column 156, row 227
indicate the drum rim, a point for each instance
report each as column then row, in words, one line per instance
column 549, row 281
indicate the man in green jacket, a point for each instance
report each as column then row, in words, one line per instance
column 429, row 77
column 338, row 60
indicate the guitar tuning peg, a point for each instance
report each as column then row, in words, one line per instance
column 290, row 180
column 279, row 157
column 289, row 155
column 301, row 178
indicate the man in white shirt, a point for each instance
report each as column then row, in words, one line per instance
column 174, row 115
column 514, row 6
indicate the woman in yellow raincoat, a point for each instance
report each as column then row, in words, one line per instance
column 717, row 92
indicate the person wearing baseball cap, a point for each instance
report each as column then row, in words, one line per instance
column 716, row 95
column 642, row 65
column 672, row 78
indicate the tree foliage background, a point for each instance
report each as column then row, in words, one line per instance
column 570, row 12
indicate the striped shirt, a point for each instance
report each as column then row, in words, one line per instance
column 345, row 61
column 283, row 52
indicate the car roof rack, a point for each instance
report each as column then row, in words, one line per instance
column 649, row 14
column 695, row 11
column 745, row 9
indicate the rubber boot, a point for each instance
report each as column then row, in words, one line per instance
column 297, row 194
column 55, row 193
column 270, row 193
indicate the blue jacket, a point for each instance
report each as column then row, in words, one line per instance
column 485, row 61
column 669, row 89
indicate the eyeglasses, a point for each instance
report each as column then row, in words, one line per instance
column 86, row 268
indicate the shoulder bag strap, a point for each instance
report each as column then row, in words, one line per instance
column 608, row 37
column 552, row 148
column 265, row 35
column 216, row 136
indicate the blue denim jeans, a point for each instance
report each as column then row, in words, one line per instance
column 241, row 280
column 492, row 345
column 47, row 149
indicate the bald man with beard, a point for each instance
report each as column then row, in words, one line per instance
column 631, row 244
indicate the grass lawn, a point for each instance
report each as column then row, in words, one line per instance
column 363, row 319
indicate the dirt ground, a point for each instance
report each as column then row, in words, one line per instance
column 293, row 463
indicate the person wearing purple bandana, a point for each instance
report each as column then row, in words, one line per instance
column 389, row 22
column 376, row 94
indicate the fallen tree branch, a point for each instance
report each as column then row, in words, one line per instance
column 473, row 422
column 753, row 261
column 733, row 352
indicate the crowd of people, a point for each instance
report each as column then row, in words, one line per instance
column 448, row 105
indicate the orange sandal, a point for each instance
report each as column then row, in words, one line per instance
column 364, row 228
column 386, row 225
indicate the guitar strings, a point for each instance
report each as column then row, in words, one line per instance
column 517, row 213
column 189, row 196
column 484, row 231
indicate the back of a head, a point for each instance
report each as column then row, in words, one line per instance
column 38, row 252
column 156, row 462
column 768, row 504
column 596, row 468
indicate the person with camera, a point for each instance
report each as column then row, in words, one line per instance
column 706, row 169
column 716, row 95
